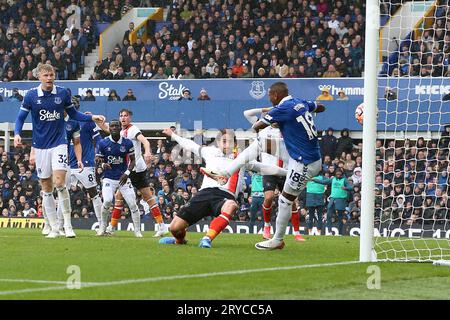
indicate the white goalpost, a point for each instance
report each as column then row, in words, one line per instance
column 405, row 196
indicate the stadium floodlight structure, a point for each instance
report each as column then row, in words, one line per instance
column 399, row 111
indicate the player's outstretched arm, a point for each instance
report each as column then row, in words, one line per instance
column 76, row 115
column 184, row 143
column 252, row 115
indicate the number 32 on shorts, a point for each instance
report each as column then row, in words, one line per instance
column 62, row 158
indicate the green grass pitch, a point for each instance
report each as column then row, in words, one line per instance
column 123, row 267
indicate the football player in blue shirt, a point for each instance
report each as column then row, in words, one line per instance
column 294, row 118
column 89, row 133
column 47, row 104
column 113, row 152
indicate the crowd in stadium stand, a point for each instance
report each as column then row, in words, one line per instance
column 412, row 181
column 201, row 39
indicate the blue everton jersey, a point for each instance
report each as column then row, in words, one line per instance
column 89, row 133
column 115, row 154
column 47, row 115
column 297, row 127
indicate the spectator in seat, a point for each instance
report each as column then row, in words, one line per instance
column 331, row 72
column 16, row 96
column 89, row 96
column 106, row 75
column 186, row 95
column 160, row 75
column 325, row 95
column 203, row 95
column 187, row 73
column 120, row 75
column 328, row 144
column 133, row 74
column 126, row 35
column 344, row 143
column 113, row 96
column 130, row 96
column 342, row 96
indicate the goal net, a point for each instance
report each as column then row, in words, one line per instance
column 412, row 202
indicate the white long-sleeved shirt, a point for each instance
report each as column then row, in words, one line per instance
column 215, row 159
column 269, row 135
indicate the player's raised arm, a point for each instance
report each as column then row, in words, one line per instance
column 252, row 115
column 147, row 149
column 184, row 143
column 123, row 179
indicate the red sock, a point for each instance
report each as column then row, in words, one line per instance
column 156, row 213
column 116, row 212
column 218, row 224
column 295, row 220
column 267, row 212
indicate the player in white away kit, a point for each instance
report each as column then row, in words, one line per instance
column 47, row 104
column 213, row 199
column 139, row 175
column 270, row 148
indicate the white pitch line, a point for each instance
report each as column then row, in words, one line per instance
column 166, row 278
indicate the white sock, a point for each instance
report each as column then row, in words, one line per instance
column 283, row 217
column 105, row 216
column 60, row 216
column 249, row 154
column 266, row 224
column 64, row 203
column 50, row 209
column 44, row 214
column 97, row 204
column 136, row 217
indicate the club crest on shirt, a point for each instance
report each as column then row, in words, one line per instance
column 58, row 100
column 122, row 149
column 68, row 127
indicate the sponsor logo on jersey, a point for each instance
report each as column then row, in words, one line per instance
column 115, row 160
column 45, row 115
column 257, row 90
column 169, row 91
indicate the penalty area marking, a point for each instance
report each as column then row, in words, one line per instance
column 158, row 279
